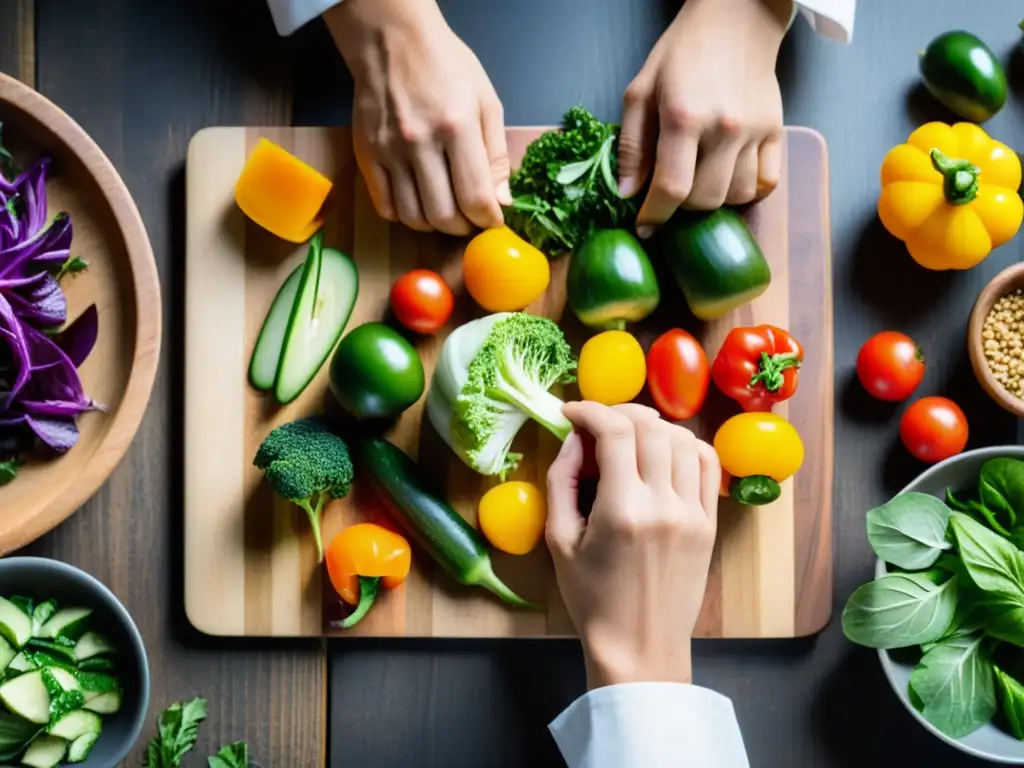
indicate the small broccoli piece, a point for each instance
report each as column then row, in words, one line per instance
column 307, row 464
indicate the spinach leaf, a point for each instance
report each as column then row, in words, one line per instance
column 1001, row 487
column 909, row 531
column 15, row 734
column 1003, row 618
column 1011, row 700
column 968, row 619
column 994, row 565
column 900, row 610
column 232, row 756
column 955, row 687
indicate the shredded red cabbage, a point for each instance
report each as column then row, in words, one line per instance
column 41, row 394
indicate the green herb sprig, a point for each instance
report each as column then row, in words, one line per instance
column 177, row 732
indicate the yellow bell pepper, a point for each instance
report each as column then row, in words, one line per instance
column 950, row 194
column 758, row 450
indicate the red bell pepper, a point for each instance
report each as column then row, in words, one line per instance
column 758, row 367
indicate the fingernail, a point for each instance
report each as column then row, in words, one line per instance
column 504, row 193
column 644, row 232
column 627, row 187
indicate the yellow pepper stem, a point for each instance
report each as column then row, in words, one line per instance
column 959, row 178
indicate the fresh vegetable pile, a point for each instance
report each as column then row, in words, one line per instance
column 41, row 394
column 954, row 592
column 56, row 682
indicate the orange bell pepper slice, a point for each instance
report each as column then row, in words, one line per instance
column 360, row 560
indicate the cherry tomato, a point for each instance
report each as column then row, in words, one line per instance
column 422, row 301
column 934, row 429
column 890, row 366
column 678, row 374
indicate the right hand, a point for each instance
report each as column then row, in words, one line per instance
column 633, row 575
column 429, row 130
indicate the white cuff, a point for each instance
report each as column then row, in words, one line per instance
column 830, row 18
column 654, row 725
column 289, row 15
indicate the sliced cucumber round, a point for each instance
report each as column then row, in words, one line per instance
column 15, row 625
column 67, row 623
column 92, row 644
column 81, row 747
column 103, row 703
column 45, row 751
column 65, row 679
column 27, row 697
column 76, row 723
column 323, row 305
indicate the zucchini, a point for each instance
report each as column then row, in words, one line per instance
column 81, row 747
column 45, row 751
column 715, row 259
column 76, row 723
column 7, row 654
column 27, row 696
column 452, row 542
column 66, row 624
column 92, row 644
column 965, row 75
column 15, row 624
column 305, row 321
column 611, row 281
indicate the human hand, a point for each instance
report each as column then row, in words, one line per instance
column 429, row 131
column 633, row 574
column 705, row 110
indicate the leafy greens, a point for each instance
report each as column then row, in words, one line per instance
column 956, row 590
column 41, row 394
column 177, row 733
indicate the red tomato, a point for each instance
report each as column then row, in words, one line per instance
column 678, row 374
column 422, row 301
column 890, row 366
column 934, row 429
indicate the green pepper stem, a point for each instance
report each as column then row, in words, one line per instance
column 770, row 371
column 959, row 178
column 369, row 588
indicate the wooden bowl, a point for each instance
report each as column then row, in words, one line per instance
column 1007, row 281
column 121, row 280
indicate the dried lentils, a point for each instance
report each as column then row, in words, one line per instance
column 1003, row 341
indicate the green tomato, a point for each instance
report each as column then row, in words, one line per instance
column 611, row 281
column 376, row 373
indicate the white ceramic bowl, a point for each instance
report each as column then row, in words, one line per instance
column 988, row 742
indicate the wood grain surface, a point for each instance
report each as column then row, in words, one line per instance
column 121, row 281
column 250, row 564
column 125, row 73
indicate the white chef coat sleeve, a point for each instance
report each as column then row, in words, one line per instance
column 654, row 725
column 289, row 15
column 830, row 18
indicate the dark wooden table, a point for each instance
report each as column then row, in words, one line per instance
column 143, row 75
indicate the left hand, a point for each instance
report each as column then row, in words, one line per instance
column 706, row 111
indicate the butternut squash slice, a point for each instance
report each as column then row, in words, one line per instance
column 281, row 193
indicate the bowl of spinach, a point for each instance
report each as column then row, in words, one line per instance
column 946, row 607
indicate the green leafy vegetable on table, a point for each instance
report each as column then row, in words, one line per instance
column 177, row 733
column 959, row 596
column 567, row 185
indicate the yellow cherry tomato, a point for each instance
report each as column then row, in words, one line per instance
column 756, row 443
column 503, row 272
column 512, row 516
column 612, row 368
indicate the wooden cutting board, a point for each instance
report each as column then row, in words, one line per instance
column 250, row 566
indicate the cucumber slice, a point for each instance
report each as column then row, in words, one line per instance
column 103, row 703
column 43, row 659
column 27, row 697
column 93, row 644
column 22, row 663
column 96, row 664
column 81, row 747
column 15, row 624
column 45, row 751
column 42, row 613
column 25, row 604
column 65, row 679
column 267, row 354
column 69, row 623
column 94, row 682
column 76, row 723
column 7, row 654
column 56, row 650
column 323, row 304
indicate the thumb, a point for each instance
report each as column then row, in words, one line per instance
column 492, row 116
column 636, row 139
column 565, row 524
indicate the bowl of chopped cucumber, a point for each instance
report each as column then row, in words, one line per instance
column 74, row 680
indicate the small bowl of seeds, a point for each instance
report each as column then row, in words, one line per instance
column 995, row 339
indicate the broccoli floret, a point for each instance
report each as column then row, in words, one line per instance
column 507, row 379
column 307, row 464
